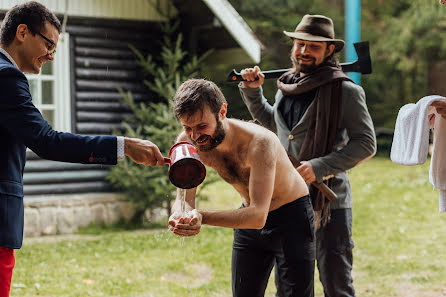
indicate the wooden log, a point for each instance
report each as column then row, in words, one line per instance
column 41, row 165
column 142, row 45
column 106, row 32
column 69, row 188
column 100, row 106
column 90, row 62
column 111, row 74
column 88, row 85
column 30, row 155
column 104, row 52
column 64, row 177
column 111, row 96
column 102, row 117
column 97, row 128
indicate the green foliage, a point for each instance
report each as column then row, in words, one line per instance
column 398, row 233
column 406, row 37
column 150, row 187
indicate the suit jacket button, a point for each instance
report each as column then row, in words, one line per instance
column 290, row 137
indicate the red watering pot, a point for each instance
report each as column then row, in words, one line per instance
column 186, row 170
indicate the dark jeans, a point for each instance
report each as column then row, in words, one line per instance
column 288, row 238
column 334, row 256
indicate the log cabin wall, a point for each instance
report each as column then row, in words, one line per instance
column 100, row 61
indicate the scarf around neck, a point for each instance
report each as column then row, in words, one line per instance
column 324, row 119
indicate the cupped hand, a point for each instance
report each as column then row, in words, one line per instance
column 185, row 224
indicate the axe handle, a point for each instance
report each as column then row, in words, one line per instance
column 235, row 76
column 362, row 65
column 325, row 190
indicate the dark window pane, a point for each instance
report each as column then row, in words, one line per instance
column 47, row 68
column 33, row 89
column 49, row 116
column 47, row 92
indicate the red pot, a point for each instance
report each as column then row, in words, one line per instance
column 186, row 170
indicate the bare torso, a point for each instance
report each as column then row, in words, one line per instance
column 235, row 168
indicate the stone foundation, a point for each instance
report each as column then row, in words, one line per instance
column 64, row 214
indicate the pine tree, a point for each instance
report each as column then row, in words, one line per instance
column 147, row 187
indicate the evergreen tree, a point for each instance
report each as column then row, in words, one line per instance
column 147, row 187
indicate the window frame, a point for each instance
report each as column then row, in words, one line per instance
column 61, row 105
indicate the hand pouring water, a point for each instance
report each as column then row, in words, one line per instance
column 186, row 170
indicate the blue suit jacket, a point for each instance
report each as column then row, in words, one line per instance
column 21, row 126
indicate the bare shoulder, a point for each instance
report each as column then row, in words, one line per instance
column 262, row 144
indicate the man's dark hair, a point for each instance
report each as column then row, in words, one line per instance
column 194, row 94
column 32, row 14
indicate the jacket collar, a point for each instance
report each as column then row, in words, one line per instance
column 9, row 58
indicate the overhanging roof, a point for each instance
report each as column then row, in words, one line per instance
column 216, row 25
column 236, row 26
column 209, row 24
column 140, row 10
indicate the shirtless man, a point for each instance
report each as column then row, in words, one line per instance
column 276, row 218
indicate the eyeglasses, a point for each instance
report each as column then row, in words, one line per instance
column 51, row 48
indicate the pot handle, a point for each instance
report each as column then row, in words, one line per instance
column 167, row 160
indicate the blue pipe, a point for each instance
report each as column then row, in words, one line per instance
column 352, row 33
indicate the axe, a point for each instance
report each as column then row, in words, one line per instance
column 322, row 187
column 362, row 65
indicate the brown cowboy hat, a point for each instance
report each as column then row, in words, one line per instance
column 316, row 28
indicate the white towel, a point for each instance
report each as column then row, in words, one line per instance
column 411, row 141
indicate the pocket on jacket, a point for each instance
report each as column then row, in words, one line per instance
column 11, row 188
column 11, row 221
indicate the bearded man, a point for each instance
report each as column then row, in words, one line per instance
column 321, row 118
column 276, row 218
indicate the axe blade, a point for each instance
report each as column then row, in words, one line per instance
column 363, row 64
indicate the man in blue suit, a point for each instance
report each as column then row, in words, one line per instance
column 28, row 38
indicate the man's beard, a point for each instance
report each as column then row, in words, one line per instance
column 305, row 68
column 214, row 141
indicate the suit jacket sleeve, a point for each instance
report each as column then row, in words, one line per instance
column 25, row 123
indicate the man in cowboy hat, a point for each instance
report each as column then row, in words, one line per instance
column 321, row 118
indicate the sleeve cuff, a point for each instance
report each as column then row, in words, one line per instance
column 120, row 147
column 317, row 168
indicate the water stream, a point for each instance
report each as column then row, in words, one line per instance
column 183, row 207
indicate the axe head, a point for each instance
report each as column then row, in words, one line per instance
column 363, row 64
column 363, row 51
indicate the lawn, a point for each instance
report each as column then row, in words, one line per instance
column 399, row 248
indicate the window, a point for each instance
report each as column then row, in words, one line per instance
column 50, row 88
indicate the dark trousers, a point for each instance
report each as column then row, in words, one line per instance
column 288, row 239
column 334, row 256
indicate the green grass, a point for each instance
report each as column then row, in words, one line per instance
column 399, row 248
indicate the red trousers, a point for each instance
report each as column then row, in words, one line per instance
column 7, row 262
